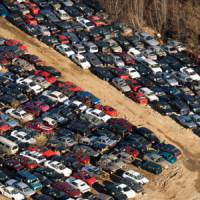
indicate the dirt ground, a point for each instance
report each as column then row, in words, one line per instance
column 180, row 182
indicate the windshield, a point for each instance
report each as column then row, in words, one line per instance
column 82, row 60
column 149, row 38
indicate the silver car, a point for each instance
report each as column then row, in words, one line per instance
column 154, row 157
column 121, row 84
column 24, row 189
column 186, row 121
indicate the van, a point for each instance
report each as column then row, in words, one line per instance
column 7, row 146
column 29, row 179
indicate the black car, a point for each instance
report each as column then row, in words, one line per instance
column 102, row 73
column 180, row 107
column 105, row 58
column 49, row 173
column 163, row 107
column 54, row 193
column 43, row 179
column 83, row 36
column 111, row 189
column 3, row 177
column 139, row 142
column 93, row 59
column 148, row 166
column 147, row 134
column 41, row 197
column 80, row 127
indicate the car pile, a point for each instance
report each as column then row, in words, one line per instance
column 147, row 72
column 85, row 141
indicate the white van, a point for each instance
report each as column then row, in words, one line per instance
column 7, row 146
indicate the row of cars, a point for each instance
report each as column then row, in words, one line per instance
column 86, row 146
column 147, row 72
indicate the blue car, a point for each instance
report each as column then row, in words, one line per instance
column 168, row 157
column 88, row 95
column 3, row 11
column 163, row 147
column 11, row 122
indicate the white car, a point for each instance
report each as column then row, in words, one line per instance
column 85, row 23
column 136, row 176
column 77, row 104
column 67, row 140
column 24, row 189
column 148, row 39
column 20, row 115
column 23, row 137
column 152, row 65
column 58, row 167
column 134, row 52
column 21, row 187
column 150, row 54
column 11, row 192
column 98, row 114
column 178, row 45
column 33, row 155
column 65, row 50
column 55, row 96
column 149, row 94
column 126, row 190
column 114, row 46
column 79, row 184
column 132, row 72
column 40, row 81
column 190, row 73
column 118, row 61
column 170, row 49
column 81, row 61
column 62, row 14
column 31, row 84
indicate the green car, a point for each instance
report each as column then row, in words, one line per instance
column 168, row 157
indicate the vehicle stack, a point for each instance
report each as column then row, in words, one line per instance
column 163, row 76
column 85, row 145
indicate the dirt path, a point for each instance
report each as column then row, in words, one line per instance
column 181, row 183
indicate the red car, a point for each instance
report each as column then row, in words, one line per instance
column 67, row 189
column 36, row 108
column 122, row 122
column 29, row 19
column 97, row 21
column 12, row 164
column 28, row 163
column 127, row 58
column 33, row 8
column 48, row 153
column 48, row 77
column 120, row 73
column 69, row 85
column 4, row 127
column 84, row 159
column 84, row 176
column 195, row 56
column 134, row 85
column 63, row 39
column 138, row 97
column 11, row 42
column 134, row 152
column 107, row 110
column 41, row 127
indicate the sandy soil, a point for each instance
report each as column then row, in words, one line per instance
column 181, row 182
